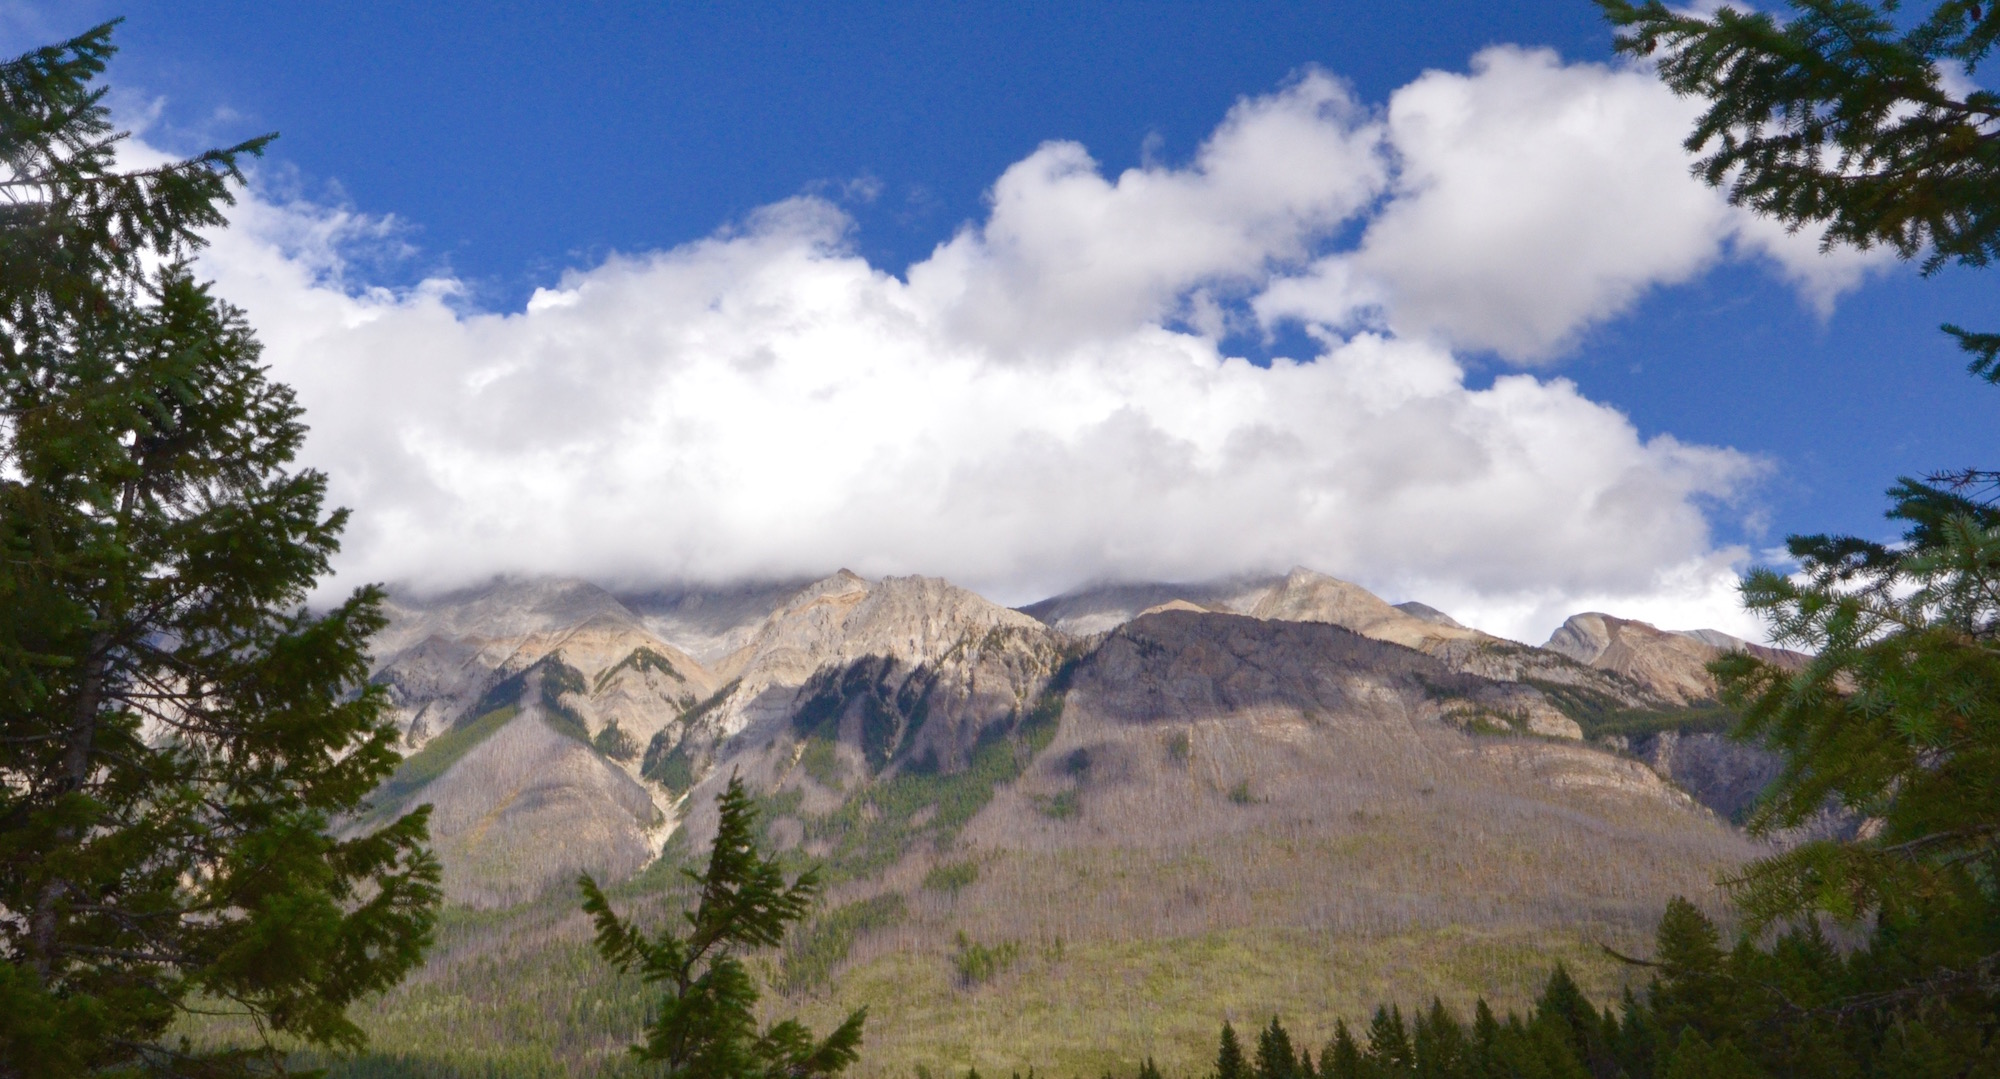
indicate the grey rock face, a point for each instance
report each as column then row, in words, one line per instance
column 1721, row 773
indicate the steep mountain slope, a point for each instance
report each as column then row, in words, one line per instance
column 519, row 800
column 845, row 684
column 1052, row 854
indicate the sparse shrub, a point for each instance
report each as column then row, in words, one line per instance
column 821, row 762
column 1240, row 793
column 951, row 877
column 815, row 951
column 673, row 771
column 1077, row 763
column 1180, row 747
column 613, row 742
column 1063, row 806
column 977, row 964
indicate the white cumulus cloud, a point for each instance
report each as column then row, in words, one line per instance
column 1049, row 398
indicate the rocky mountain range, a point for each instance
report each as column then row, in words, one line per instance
column 1057, row 835
column 541, row 708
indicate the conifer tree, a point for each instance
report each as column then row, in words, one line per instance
column 1274, row 1053
column 1485, row 1039
column 1844, row 114
column 704, row 1024
column 1439, row 1044
column 1389, row 1048
column 178, row 734
column 1341, row 1058
column 1149, row 1070
column 1229, row 1061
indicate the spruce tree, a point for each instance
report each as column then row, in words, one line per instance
column 1485, row 1039
column 1229, row 1061
column 1439, row 1044
column 704, row 1023
column 1275, row 1059
column 1691, row 991
column 179, row 736
column 1845, row 115
column 1341, row 1058
column 1389, row 1048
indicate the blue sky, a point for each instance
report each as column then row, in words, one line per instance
column 512, row 144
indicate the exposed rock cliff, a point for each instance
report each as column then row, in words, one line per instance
column 1672, row 664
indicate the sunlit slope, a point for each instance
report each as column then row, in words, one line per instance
column 1067, row 853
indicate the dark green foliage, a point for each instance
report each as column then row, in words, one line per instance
column 1389, row 1048
column 1602, row 715
column 669, row 764
column 1229, row 1062
column 1149, row 1070
column 555, row 677
column 709, row 704
column 820, row 762
column 178, row 733
column 1062, row 805
column 878, row 825
column 704, row 1024
column 1275, row 1058
column 815, row 951
column 976, row 963
column 1341, row 1059
column 1180, row 747
column 1240, row 793
column 864, row 687
column 1439, row 1045
column 558, row 680
column 439, row 754
column 951, row 876
column 641, row 659
column 613, row 742
column 1841, row 115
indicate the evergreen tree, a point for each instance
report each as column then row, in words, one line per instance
column 1274, row 1053
column 1439, row 1044
column 178, row 734
column 1570, row 1017
column 1691, row 991
column 704, row 1025
column 1149, row 1070
column 1844, row 115
column 1485, row 1040
column 1229, row 1062
column 1389, row 1049
column 1341, row 1058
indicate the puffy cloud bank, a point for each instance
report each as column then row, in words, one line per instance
column 1046, row 400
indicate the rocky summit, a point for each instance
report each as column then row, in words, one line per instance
column 1090, row 784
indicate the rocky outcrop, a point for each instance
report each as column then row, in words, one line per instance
column 1720, row 772
column 1671, row 664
